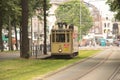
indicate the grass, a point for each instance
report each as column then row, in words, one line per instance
column 23, row 69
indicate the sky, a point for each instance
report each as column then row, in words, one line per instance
column 102, row 7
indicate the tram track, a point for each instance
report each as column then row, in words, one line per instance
column 87, row 71
column 94, row 67
column 113, row 74
column 116, row 74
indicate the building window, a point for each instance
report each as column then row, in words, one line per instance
column 105, row 30
column 108, row 24
column 108, row 31
column 96, row 30
column 104, row 24
column 106, row 18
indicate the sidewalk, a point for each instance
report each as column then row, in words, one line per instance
column 16, row 54
column 9, row 55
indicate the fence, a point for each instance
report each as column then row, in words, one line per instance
column 37, row 50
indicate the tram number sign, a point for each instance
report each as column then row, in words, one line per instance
column 66, row 47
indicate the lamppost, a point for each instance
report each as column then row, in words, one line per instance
column 80, row 21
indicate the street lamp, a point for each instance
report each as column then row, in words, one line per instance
column 80, row 21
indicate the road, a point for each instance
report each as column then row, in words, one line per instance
column 104, row 66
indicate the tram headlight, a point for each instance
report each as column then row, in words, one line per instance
column 60, row 50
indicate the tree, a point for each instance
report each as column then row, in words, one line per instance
column 8, row 9
column 24, row 23
column 10, row 14
column 115, row 7
column 1, row 23
column 24, row 30
column 69, row 12
column 45, row 27
column 42, row 16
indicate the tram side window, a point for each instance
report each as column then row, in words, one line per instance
column 68, row 37
column 53, row 37
column 60, row 37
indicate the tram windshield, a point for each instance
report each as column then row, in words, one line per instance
column 60, row 37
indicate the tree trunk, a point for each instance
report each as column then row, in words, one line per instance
column 9, row 35
column 16, row 44
column 45, row 25
column 1, row 41
column 24, row 29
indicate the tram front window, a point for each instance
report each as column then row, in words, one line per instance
column 60, row 37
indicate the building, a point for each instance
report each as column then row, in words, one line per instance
column 107, row 26
column 97, row 23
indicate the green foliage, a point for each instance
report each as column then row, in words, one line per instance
column 115, row 7
column 70, row 12
column 12, row 9
column 37, row 5
column 10, row 12
column 9, row 8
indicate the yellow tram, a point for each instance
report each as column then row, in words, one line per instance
column 64, row 40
